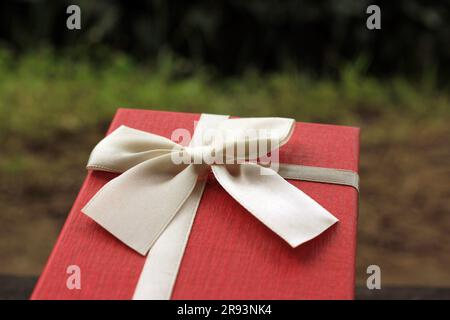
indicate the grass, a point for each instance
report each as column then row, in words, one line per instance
column 46, row 93
column 53, row 109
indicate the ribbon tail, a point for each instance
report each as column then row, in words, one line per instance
column 156, row 188
column 286, row 210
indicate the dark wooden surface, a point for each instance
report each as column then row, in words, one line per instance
column 15, row 287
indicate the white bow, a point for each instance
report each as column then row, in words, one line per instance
column 138, row 205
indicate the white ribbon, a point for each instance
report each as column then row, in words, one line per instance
column 139, row 204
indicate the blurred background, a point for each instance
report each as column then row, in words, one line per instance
column 312, row 60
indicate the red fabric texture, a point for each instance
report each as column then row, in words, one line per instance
column 230, row 254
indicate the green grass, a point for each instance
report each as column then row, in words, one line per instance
column 42, row 94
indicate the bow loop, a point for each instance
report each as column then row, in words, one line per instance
column 126, row 147
column 266, row 133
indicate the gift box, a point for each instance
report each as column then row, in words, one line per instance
column 226, row 253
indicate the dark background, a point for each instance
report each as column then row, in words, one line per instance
column 310, row 60
column 233, row 35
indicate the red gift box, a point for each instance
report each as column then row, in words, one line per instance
column 229, row 253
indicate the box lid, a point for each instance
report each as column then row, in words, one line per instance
column 229, row 254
